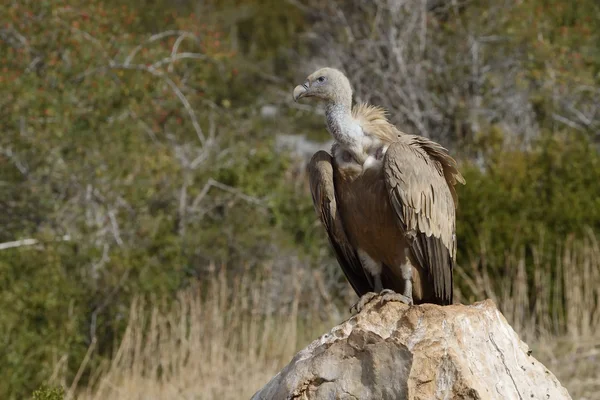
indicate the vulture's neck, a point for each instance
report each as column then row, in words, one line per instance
column 344, row 129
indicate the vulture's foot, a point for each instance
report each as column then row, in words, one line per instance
column 383, row 297
column 362, row 302
column 390, row 295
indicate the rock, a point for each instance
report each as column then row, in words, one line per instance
column 393, row 351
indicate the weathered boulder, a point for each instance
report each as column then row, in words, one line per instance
column 393, row 351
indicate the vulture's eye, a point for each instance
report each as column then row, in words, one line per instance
column 321, row 79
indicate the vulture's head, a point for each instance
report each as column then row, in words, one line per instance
column 327, row 84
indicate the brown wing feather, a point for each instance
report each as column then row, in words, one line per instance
column 420, row 177
column 320, row 171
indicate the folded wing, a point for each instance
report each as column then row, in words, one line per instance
column 320, row 170
column 420, row 177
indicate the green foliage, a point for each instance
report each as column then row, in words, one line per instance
column 43, row 313
column 517, row 197
column 98, row 144
column 46, row 393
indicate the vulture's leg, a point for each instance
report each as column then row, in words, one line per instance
column 374, row 268
column 406, row 296
column 406, row 269
column 386, row 295
column 377, row 285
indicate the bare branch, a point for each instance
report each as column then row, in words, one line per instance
column 180, row 56
column 155, row 38
column 8, row 153
column 173, row 87
column 213, row 183
column 567, row 122
column 431, row 87
column 175, row 49
column 29, row 242
column 115, row 227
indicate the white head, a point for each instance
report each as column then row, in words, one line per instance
column 327, row 84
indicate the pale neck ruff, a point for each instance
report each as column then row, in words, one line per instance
column 344, row 129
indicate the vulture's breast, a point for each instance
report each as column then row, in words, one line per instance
column 367, row 214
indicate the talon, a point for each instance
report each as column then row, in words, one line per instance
column 389, row 295
column 362, row 302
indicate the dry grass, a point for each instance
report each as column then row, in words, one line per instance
column 221, row 341
column 227, row 339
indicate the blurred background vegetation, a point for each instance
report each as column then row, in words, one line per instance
column 151, row 158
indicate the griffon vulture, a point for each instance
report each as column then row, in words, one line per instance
column 386, row 199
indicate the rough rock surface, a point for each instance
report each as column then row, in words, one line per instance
column 393, row 351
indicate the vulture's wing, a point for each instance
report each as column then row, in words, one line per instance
column 320, row 170
column 420, row 177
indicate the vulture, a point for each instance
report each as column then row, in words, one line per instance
column 385, row 198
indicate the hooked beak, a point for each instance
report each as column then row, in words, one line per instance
column 301, row 91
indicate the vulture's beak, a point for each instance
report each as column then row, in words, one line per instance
column 301, row 90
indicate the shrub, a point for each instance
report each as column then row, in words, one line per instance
column 517, row 198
